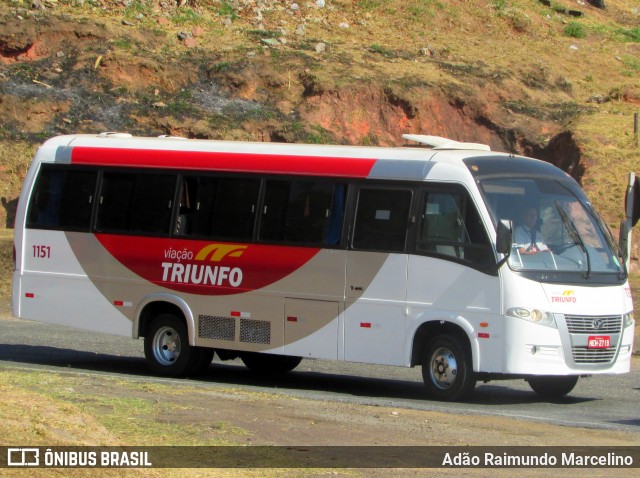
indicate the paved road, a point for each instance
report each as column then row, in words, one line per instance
column 605, row 402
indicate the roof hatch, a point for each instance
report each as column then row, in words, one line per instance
column 438, row 142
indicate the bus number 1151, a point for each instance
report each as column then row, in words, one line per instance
column 42, row 252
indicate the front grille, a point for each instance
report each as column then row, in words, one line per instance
column 255, row 331
column 217, row 328
column 585, row 355
column 594, row 325
column 582, row 326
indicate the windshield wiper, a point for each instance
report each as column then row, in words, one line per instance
column 575, row 236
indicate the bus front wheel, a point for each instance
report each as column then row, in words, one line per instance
column 552, row 386
column 167, row 349
column 446, row 369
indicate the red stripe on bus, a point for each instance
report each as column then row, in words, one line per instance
column 365, row 325
column 219, row 161
column 29, row 295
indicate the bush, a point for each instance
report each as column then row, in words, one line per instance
column 575, row 30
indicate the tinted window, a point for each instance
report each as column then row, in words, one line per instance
column 218, row 207
column 382, row 219
column 136, row 202
column 450, row 226
column 303, row 212
column 62, row 199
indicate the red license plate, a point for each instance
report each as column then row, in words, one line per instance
column 599, row 342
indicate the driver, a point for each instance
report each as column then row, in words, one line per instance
column 526, row 237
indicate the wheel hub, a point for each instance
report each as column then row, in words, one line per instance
column 444, row 368
column 166, row 345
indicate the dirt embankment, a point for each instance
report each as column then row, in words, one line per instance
column 63, row 75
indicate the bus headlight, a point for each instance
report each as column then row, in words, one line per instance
column 628, row 319
column 533, row 315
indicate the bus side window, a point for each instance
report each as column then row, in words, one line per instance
column 442, row 225
column 62, row 199
column 136, row 202
column 451, row 226
column 382, row 219
column 274, row 210
column 303, row 212
column 188, row 207
column 234, row 208
column 217, row 207
column 333, row 228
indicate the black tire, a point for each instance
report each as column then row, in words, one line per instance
column 167, row 349
column 552, row 386
column 447, row 370
column 206, row 356
column 269, row 364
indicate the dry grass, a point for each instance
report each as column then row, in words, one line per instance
column 6, row 263
column 610, row 152
column 49, row 409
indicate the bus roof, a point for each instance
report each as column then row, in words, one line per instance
column 121, row 149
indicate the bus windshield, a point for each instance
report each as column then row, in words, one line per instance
column 554, row 226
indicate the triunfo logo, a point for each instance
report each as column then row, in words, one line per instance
column 202, row 273
column 567, row 296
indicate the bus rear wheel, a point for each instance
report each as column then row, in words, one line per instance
column 446, row 369
column 552, row 386
column 206, row 357
column 269, row 363
column 167, row 349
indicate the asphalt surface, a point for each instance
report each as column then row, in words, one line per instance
column 601, row 402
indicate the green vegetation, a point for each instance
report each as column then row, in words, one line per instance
column 134, row 8
column 632, row 65
column 376, row 48
column 499, row 5
column 423, row 8
column 227, row 10
column 260, row 34
column 234, row 116
column 575, row 30
column 372, row 4
column 221, row 66
column 187, row 16
column 632, row 34
column 318, row 135
column 181, row 103
column 123, row 43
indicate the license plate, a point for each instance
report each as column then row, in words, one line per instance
column 599, row 342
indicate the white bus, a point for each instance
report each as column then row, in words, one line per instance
column 278, row 252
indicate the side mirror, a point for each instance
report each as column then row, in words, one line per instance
column 632, row 199
column 632, row 215
column 504, row 237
